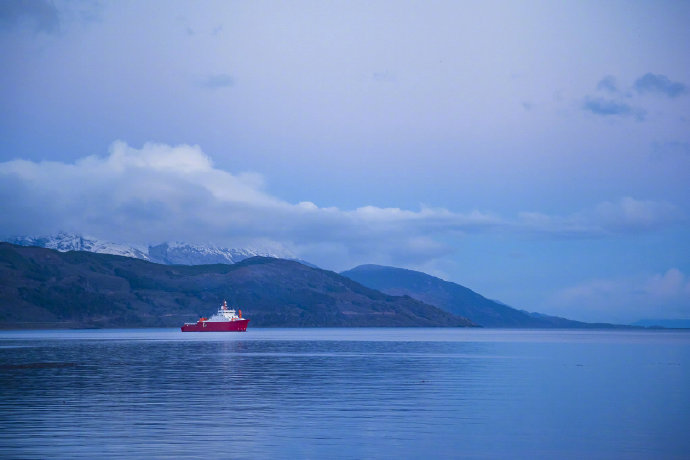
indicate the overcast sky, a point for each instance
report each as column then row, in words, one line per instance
column 536, row 152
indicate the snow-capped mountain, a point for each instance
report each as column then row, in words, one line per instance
column 178, row 253
column 166, row 253
column 64, row 242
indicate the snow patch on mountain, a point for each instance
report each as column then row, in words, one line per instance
column 173, row 253
column 178, row 253
column 64, row 242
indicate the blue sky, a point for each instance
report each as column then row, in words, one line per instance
column 536, row 152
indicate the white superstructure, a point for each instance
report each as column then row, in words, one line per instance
column 226, row 314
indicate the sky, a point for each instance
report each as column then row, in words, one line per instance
column 535, row 152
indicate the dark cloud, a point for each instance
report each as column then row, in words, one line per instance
column 611, row 107
column 625, row 102
column 40, row 15
column 608, row 83
column 659, row 84
column 221, row 80
column 602, row 106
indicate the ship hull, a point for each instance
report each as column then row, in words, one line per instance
column 239, row 325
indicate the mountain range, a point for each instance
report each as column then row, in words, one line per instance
column 46, row 288
column 427, row 290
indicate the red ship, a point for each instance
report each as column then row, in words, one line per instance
column 225, row 320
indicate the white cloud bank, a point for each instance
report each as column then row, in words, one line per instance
column 161, row 192
column 625, row 300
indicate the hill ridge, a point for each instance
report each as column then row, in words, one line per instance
column 454, row 298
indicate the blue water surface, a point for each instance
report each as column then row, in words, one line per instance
column 345, row 393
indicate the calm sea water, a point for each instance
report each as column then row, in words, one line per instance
column 345, row 393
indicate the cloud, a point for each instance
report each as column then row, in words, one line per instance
column 631, row 216
column 39, row 15
column 161, row 192
column 217, row 81
column 609, row 107
column 625, row 216
column 626, row 300
column 608, row 84
column 659, row 84
column 626, row 103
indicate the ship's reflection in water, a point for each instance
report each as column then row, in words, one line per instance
column 344, row 393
